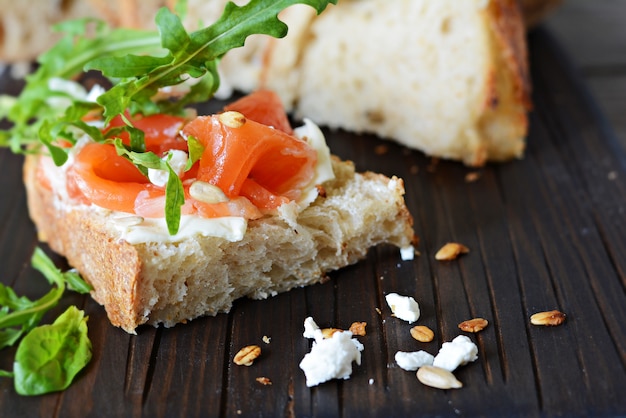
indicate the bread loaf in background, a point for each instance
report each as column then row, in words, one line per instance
column 447, row 77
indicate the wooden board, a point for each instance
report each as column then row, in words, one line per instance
column 545, row 232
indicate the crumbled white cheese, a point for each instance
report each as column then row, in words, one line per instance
column 311, row 328
column 330, row 358
column 177, row 159
column 403, row 307
column 458, row 352
column 413, row 360
column 407, row 253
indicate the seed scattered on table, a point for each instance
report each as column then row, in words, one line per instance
column 247, row 355
column 358, row 328
column 450, row 251
column 328, row 332
column 381, row 149
column 473, row 325
column 264, row 380
column 548, row 318
column 437, row 377
column 422, row 333
column 472, row 176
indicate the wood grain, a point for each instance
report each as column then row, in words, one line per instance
column 545, row 232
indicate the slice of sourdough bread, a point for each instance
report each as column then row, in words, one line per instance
column 163, row 282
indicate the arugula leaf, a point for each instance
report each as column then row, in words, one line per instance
column 22, row 312
column 196, row 149
column 50, row 356
column 66, row 60
column 54, row 275
column 192, row 54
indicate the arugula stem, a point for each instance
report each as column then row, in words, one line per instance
column 47, row 302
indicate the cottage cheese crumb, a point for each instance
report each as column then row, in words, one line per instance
column 311, row 329
column 407, row 253
column 458, row 352
column 177, row 160
column 330, row 358
column 403, row 307
column 411, row 361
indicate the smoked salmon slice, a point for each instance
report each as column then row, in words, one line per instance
column 280, row 163
column 105, row 179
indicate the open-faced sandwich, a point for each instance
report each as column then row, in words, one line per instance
column 170, row 215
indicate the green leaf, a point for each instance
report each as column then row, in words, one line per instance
column 137, row 139
column 76, row 283
column 143, row 159
column 10, row 336
column 127, row 66
column 32, row 313
column 174, row 37
column 174, row 200
column 196, row 149
column 41, row 262
column 50, row 356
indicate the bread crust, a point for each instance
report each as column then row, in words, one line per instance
column 111, row 267
column 509, row 33
column 168, row 283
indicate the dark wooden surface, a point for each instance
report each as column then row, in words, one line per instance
column 545, row 232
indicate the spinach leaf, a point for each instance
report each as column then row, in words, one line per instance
column 19, row 316
column 50, row 356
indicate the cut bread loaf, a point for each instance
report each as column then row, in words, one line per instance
column 163, row 282
column 445, row 77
